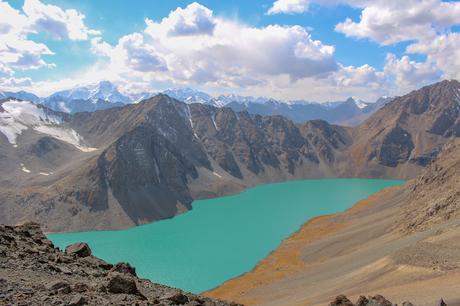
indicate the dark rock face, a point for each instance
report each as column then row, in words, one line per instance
column 44, row 146
column 79, row 249
column 396, row 147
column 33, row 272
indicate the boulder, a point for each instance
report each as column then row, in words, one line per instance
column 78, row 300
column 59, row 286
column 124, row 268
column 362, row 301
column 378, row 300
column 341, row 300
column 80, row 249
column 119, row 283
column 178, row 299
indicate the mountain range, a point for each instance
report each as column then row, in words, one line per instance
column 142, row 162
column 105, row 95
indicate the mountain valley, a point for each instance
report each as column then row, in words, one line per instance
column 142, row 162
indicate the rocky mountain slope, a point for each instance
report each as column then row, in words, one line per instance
column 155, row 157
column 150, row 160
column 406, row 239
column 33, row 272
column 406, row 133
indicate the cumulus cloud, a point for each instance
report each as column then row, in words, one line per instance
column 364, row 75
column 59, row 23
column 289, row 7
column 195, row 19
column 443, row 52
column 191, row 45
column 386, row 21
column 18, row 51
column 389, row 22
column 409, row 74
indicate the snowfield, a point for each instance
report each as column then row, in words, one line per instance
column 18, row 116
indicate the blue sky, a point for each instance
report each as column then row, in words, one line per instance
column 366, row 61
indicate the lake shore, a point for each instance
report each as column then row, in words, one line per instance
column 320, row 261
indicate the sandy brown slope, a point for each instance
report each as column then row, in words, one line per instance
column 403, row 242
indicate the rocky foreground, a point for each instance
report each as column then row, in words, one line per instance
column 34, row 272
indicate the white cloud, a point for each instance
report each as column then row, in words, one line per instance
column 389, row 22
column 18, row 51
column 365, row 76
column 386, row 21
column 193, row 46
column 59, row 23
column 289, row 7
column 409, row 74
column 443, row 52
column 195, row 19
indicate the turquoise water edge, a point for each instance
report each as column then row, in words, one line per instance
column 224, row 237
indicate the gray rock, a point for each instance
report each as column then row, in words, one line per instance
column 341, row 300
column 78, row 300
column 362, row 301
column 59, row 286
column 80, row 249
column 124, row 268
column 178, row 298
column 119, row 283
column 379, row 300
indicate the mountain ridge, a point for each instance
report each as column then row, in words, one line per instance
column 104, row 95
column 195, row 151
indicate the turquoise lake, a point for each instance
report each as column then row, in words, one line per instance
column 224, row 237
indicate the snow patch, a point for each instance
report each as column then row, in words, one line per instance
column 213, row 118
column 217, row 174
column 19, row 116
column 189, row 116
column 23, row 168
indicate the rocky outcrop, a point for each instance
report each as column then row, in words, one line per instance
column 377, row 300
column 434, row 196
column 33, row 272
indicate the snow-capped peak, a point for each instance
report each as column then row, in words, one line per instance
column 359, row 103
column 188, row 95
column 223, row 100
column 104, row 90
